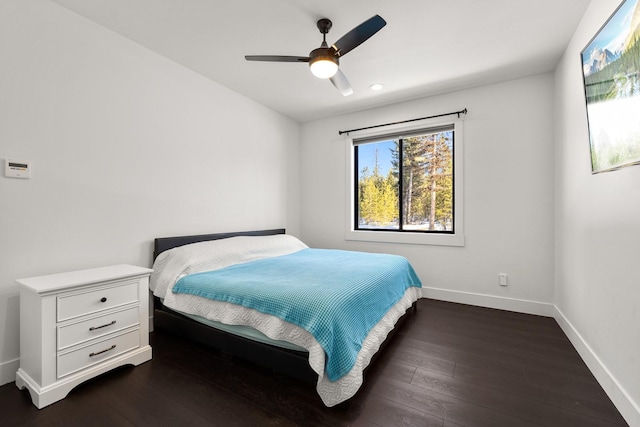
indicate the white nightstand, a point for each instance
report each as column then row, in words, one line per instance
column 76, row 325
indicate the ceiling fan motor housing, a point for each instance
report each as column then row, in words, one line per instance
column 323, row 53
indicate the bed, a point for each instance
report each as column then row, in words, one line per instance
column 260, row 315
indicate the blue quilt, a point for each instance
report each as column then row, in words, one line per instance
column 337, row 296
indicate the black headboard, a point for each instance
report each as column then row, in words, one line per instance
column 162, row 244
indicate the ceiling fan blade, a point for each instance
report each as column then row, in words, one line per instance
column 358, row 35
column 341, row 83
column 277, row 58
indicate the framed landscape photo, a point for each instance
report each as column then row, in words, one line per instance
column 611, row 77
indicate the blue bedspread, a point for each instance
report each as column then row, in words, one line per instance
column 337, row 296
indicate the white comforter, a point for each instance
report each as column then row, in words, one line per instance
column 176, row 263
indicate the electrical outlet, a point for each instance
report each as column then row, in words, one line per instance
column 503, row 279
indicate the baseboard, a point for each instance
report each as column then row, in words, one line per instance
column 489, row 301
column 629, row 409
column 8, row 371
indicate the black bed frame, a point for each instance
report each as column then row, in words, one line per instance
column 284, row 361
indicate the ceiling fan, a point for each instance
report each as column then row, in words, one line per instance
column 324, row 60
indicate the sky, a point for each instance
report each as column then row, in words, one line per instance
column 614, row 32
column 367, row 156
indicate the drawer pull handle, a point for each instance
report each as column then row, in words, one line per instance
column 103, row 351
column 93, row 328
column 103, row 299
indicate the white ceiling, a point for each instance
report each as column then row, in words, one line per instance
column 427, row 46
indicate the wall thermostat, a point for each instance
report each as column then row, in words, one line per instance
column 17, row 169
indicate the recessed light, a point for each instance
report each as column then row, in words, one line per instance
column 376, row 86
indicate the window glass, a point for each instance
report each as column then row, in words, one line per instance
column 377, row 184
column 405, row 183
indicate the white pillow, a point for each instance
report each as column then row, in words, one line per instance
column 170, row 266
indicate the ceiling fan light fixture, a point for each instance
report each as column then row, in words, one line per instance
column 324, row 67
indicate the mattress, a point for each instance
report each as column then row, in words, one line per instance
column 242, row 331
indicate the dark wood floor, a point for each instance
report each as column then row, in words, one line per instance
column 450, row 365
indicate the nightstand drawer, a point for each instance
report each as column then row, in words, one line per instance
column 81, row 303
column 84, row 357
column 79, row 332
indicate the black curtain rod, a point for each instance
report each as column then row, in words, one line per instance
column 405, row 121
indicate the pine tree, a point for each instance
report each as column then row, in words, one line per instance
column 438, row 178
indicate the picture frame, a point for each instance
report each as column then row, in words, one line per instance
column 611, row 79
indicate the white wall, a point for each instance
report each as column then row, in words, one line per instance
column 508, row 200
column 126, row 146
column 597, row 223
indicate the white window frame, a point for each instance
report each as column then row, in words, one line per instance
column 444, row 239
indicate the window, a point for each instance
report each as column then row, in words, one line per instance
column 406, row 185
